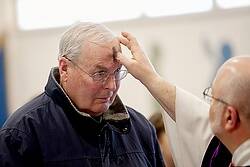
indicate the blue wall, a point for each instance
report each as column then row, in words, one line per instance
column 3, row 106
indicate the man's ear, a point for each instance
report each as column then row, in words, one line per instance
column 231, row 117
column 63, row 68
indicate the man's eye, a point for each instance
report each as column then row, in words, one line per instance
column 100, row 74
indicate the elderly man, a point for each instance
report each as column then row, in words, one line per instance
column 79, row 120
column 229, row 113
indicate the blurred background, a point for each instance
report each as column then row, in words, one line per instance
column 187, row 40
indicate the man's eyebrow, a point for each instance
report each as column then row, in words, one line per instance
column 100, row 67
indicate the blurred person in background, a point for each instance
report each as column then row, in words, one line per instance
column 205, row 135
column 157, row 121
column 79, row 120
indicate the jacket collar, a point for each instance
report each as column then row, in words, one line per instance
column 117, row 112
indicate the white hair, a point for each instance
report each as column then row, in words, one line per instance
column 72, row 40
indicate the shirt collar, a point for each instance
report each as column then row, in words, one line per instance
column 241, row 156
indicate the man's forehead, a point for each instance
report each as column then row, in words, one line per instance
column 107, row 66
column 100, row 56
column 108, row 44
column 112, row 47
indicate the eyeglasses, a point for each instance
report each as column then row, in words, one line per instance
column 102, row 76
column 207, row 93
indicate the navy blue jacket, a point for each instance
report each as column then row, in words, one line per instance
column 49, row 131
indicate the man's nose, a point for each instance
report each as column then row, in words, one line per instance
column 110, row 82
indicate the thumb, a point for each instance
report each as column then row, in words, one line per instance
column 123, row 59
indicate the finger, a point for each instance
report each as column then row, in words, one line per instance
column 125, row 34
column 124, row 60
column 124, row 41
column 130, row 38
column 133, row 45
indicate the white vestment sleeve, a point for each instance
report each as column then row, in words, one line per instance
column 190, row 135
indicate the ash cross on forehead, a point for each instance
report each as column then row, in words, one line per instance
column 115, row 52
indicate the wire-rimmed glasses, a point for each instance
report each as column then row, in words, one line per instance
column 207, row 93
column 102, row 76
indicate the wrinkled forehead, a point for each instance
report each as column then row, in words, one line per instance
column 100, row 52
column 110, row 44
column 111, row 47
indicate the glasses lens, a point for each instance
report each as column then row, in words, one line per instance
column 121, row 74
column 103, row 76
column 207, row 95
column 100, row 76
